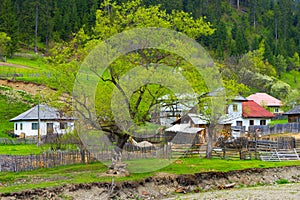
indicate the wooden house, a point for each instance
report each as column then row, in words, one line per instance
column 293, row 114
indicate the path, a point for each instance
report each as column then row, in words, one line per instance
column 30, row 88
column 13, row 65
column 274, row 192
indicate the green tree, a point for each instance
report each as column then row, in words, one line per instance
column 280, row 64
column 113, row 18
column 4, row 44
column 8, row 24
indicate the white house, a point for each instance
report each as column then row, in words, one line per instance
column 52, row 121
column 243, row 112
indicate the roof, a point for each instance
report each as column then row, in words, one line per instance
column 239, row 98
column 184, row 128
column 252, row 110
column 46, row 113
column 265, row 99
column 293, row 111
column 198, row 119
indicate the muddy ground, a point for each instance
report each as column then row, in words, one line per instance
column 170, row 186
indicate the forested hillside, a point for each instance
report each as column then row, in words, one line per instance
column 256, row 42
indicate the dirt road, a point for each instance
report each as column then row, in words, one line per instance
column 274, row 192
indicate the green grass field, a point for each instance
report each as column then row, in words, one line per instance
column 84, row 173
column 35, row 69
column 292, row 78
column 9, row 108
column 34, row 62
column 23, row 149
column 278, row 121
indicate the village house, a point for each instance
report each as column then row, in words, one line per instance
column 271, row 103
column 52, row 121
column 293, row 114
column 242, row 112
column 196, row 126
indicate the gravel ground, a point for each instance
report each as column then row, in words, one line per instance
column 274, row 192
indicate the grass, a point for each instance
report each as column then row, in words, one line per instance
column 37, row 70
column 292, row 78
column 34, row 62
column 278, row 121
column 282, row 181
column 94, row 172
column 22, row 149
column 9, row 109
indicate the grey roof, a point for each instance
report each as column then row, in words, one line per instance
column 46, row 113
column 239, row 98
column 184, row 128
column 198, row 119
column 293, row 111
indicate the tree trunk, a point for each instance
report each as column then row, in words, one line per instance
column 36, row 28
column 117, row 167
column 210, row 138
column 209, row 143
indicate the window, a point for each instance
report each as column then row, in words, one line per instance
column 263, row 122
column 239, row 123
column 34, row 126
column 251, row 122
column 16, row 126
column 276, row 110
column 235, row 107
column 21, row 126
column 63, row 125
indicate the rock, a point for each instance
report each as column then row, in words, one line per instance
column 226, row 186
column 181, row 190
column 145, row 193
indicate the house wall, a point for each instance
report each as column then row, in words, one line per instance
column 237, row 105
column 27, row 128
column 256, row 121
column 275, row 109
column 245, row 121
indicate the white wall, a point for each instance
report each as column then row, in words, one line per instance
column 245, row 121
column 27, row 128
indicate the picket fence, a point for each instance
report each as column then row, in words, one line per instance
column 16, row 163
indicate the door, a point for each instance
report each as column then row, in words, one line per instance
column 49, row 128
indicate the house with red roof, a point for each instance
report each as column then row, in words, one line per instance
column 271, row 103
column 246, row 113
column 254, row 114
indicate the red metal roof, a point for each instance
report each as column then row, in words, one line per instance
column 253, row 110
column 265, row 99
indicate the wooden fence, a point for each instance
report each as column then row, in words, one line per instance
column 18, row 141
column 277, row 128
column 16, row 163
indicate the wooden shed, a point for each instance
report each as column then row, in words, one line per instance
column 293, row 114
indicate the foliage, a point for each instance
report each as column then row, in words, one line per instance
column 113, row 18
column 4, row 44
column 282, row 181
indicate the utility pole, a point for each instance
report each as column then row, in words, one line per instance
column 39, row 120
